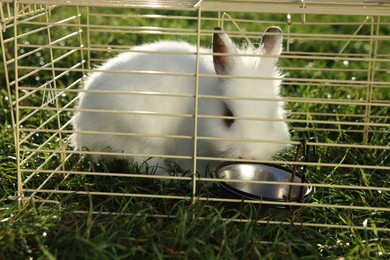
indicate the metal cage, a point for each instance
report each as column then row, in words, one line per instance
column 336, row 66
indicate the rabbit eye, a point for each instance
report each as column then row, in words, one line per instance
column 228, row 121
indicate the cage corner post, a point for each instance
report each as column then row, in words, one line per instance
column 20, row 193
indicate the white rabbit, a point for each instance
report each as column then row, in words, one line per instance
column 261, row 125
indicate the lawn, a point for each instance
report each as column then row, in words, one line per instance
column 86, row 226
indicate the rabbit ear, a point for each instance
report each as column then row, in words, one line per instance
column 222, row 45
column 272, row 42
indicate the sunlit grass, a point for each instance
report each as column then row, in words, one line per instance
column 196, row 230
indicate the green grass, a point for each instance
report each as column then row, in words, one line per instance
column 205, row 229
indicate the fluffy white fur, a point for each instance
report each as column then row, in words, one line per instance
column 151, row 124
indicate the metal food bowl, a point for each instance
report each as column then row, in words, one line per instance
column 260, row 191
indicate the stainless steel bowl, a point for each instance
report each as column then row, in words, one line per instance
column 260, row 191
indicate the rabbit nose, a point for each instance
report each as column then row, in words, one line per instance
column 245, row 155
column 246, row 158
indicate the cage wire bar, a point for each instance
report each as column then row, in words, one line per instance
column 39, row 36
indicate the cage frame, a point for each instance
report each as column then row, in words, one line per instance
column 302, row 8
